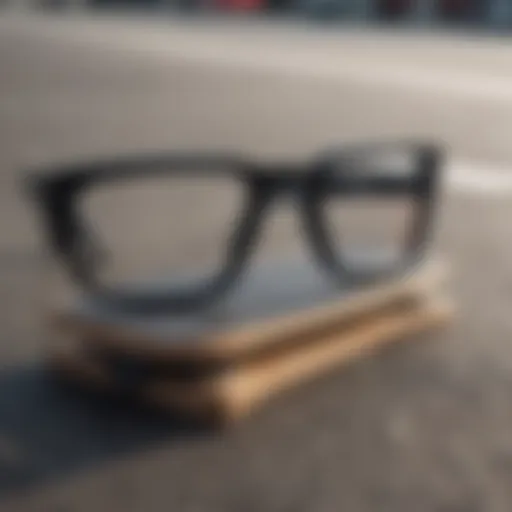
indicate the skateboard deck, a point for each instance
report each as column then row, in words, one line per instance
column 283, row 326
column 232, row 393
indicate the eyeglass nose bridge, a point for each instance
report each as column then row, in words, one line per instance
column 280, row 181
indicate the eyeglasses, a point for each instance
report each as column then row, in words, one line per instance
column 367, row 174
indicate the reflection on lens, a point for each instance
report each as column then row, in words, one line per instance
column 160, row 226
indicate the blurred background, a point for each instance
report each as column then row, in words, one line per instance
column 426, row 427
column 466, row 12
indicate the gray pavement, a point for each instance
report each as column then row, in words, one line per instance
column 424, row 427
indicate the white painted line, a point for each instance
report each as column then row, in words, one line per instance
column 466, row 178
column 478, row 179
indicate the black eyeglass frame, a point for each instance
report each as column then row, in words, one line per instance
column 57, row 192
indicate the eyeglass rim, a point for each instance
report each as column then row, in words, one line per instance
column 72, row 178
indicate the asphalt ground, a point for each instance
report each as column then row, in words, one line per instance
column 423, row 427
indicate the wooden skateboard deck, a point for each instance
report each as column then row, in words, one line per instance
column 282, row 327
column 276, row 305
column 235, row 391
